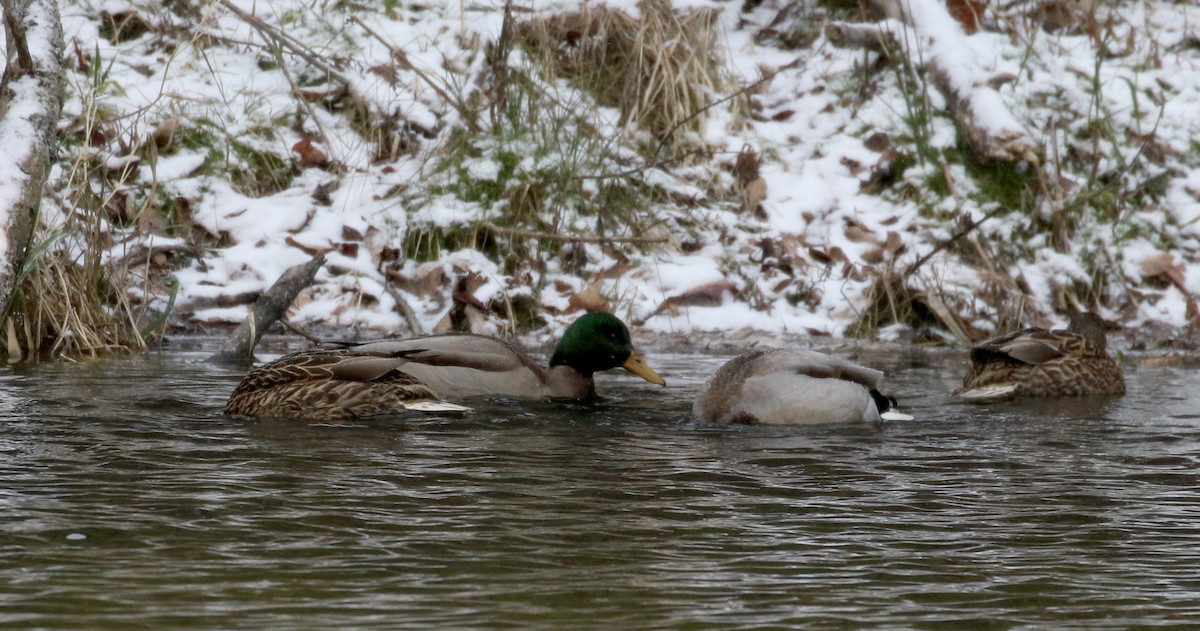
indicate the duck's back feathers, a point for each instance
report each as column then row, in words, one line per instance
column 331, row 385
column 1036, row 362
column 790, row 387
column 471, row 365
column 1033, row 346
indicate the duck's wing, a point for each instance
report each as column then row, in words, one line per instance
column 820, row 366
column 1029, row 346
column 458, row 365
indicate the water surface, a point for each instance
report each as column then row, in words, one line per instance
column 128, row 501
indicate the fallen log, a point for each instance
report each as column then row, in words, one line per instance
column 238, row 348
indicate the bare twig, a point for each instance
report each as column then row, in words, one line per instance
column 287, row 42
column 968, row 228
column 401, row 58
column 410, row 317
column 663, row 141
column 299, row 331
column 533, row 234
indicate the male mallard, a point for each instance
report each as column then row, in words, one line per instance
column 1035, row 362
column 793, row 387
column 448, row 366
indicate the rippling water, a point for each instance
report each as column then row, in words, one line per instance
column 128, row 500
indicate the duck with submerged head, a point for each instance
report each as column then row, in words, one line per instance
column 793, row 387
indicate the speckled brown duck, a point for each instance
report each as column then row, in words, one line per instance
column 332, row 385
column 1035, row 362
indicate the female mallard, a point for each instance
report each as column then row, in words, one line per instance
column 793, row 387
column 332, row 384
column 447, row 366
column 1035, row 362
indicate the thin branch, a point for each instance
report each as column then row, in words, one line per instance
column 663, row 141
column 942, row 245
column 301, row 332
column 410, row 317
column 400, row 57
column 532, row 234
column 287, row 42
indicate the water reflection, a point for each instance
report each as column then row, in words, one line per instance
column 128, row 499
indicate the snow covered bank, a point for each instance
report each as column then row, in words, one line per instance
column 241, row 137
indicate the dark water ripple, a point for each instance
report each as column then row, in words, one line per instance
column 127, row 500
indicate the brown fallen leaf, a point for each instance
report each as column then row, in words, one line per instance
column 164, row 132
column 707, row 295
column 859, row 233
column 967, row 12
column 1162, row 265
column 746, row 167
column 877, row 142
column 311, row 250
column 753, row 194
column 310, row 155
column 883, row 172
column 468, row 314
column 828, row 257
column 587, row 300
column 1157, row 264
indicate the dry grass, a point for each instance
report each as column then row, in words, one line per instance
column 661, row 71
column 69, row 302
column 69, row 310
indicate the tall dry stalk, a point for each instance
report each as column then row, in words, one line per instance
column 660, row 70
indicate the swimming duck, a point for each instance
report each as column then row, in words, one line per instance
column 447, row 366
column 793, row 387
column 334, row 385
column 1034, row 362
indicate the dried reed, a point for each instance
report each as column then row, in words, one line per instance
column 660, row 71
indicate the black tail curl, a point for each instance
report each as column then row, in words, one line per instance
column 883, row 403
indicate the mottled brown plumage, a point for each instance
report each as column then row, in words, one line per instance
column 335, row 385
column 1035, row 362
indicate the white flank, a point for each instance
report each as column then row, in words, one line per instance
column 987, row 393
column 436, row 406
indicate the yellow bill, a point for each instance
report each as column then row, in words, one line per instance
column 638, row 366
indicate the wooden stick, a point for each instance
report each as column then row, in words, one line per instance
column 410, row 317
column 968, row 227
column 238, row 348
column 401, row 58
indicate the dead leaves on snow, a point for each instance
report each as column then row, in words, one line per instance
column 1162, row 267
